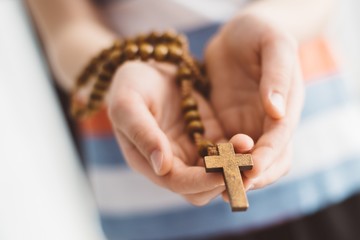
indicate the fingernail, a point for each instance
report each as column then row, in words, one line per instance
column 156, row 159
column 277, row 100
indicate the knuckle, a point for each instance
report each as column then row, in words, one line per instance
column 117, row 104
column 280, row 78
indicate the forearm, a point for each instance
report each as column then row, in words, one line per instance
column 72, row 34
column 301, row 18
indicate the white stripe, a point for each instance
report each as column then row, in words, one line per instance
column 139, row 16
column 214, row 10
column 324, row 140
column 121, row 191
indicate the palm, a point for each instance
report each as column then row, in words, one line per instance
column 235, row 92
column 158, row 91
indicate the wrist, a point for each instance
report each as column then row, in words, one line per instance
column 73, row 47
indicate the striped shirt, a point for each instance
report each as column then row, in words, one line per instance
column 326, row 154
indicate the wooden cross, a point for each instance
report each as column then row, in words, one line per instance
column 231, row 164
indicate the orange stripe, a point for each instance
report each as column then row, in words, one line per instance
column 96, row 125
column 316, row 60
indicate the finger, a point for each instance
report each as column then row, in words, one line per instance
column 201, row 199
column 278, row 133
column 225, row 196
column 279, row 56
column 185, row 179
column 181, row 178
column 131, row 116
column 273, row 173
column 269, row 146
column 242, row 143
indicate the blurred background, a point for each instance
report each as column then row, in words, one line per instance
column 43, row 191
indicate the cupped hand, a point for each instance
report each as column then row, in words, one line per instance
column 257, row 90
column 144, row 108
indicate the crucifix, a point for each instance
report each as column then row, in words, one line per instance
column 231, row 164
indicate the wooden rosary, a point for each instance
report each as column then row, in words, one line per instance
column 172, row 48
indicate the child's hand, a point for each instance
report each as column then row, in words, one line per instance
column 144, row 107
column 257, row 90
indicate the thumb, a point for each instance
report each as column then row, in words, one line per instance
column 279, row 55
column 132, row 117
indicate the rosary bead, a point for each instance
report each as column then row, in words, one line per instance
column 212, row 151
column 169, row 36
column 154, row 37
column 131, row 51
column 116, row 56
column 146, row 50
column 82, row 80
column 96, row 96
column 203, row 147
column 118, row 44
column 102, row 56
column 181, row 40
column 93, row 105
column 102, row 86
column 105, row 76
column 195, row 127
column 175, row 52
column 109, row 66
column 142, row 38
column 184, row 72
column 192, row 116
column 161, row 52
column 188, row 104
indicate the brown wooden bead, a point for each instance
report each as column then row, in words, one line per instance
column 175, row 52
column 169, row 36
column 116, row 56
column 96, row 96
column 203, row 147
column 184, row 72
column 105, row 76
column 131, row 50
column 118, row 44
column 146, row 50
column 142, row 38
column 109, row 66
column 154, row 37
column 212, row 151
column 195, row 127
column 93, row 105
column 82, row 80
column 102, row 56
column 181, row 40
column 161, row 52
column 102, row 86
column 192, row 116
column 188, row 104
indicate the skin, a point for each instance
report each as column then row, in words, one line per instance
column 255, row 103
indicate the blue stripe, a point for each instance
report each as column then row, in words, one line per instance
column 102, row 151
column 324, row 94
column 268, row 206
column 199, row 37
